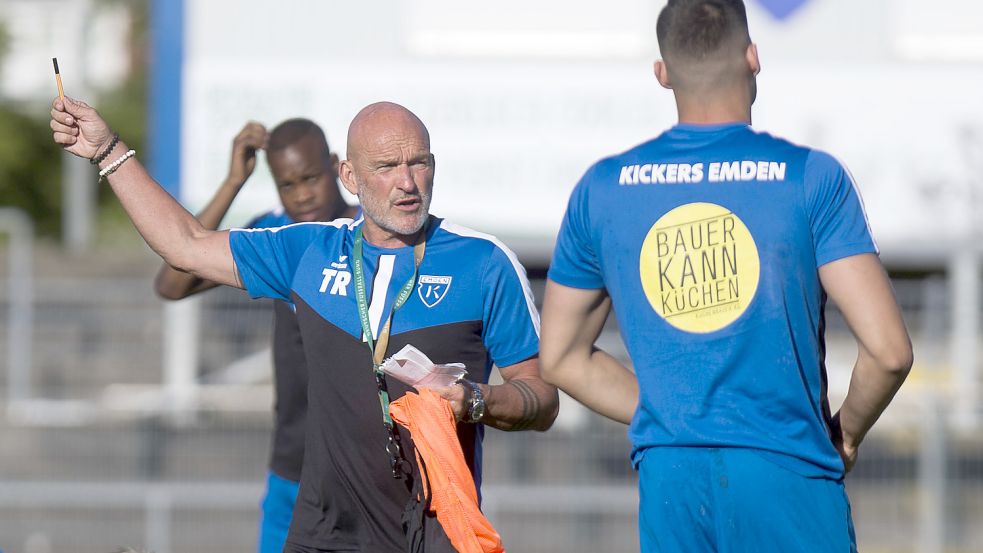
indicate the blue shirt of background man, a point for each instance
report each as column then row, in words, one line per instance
column 271, row 219
column 290, row 378
column 760, row 381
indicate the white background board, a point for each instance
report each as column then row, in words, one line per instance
column 521, row 99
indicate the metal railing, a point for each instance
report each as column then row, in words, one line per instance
column 917, row 488
column 151, row 482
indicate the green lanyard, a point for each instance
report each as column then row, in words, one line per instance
column 378, row 347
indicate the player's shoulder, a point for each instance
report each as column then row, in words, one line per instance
column 823, row 162
column 471, row 244
column 812, row 157
column 309, row 229
column 816, row 166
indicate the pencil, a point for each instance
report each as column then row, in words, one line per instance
column 61, row 91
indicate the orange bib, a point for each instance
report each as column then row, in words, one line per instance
column 446, row 476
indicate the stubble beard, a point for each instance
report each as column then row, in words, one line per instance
column 389, row 221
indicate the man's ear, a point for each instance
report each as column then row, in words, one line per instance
column 347, row 175
column 662, row 74
column 753, row 62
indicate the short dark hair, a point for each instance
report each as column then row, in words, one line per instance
column 695, row 30
column 290, row 131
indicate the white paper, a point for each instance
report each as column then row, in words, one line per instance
column 412, row 367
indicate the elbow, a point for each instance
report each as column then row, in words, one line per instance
column 549, row 367
column 550, row 377
column 183, row 252
column 162, row 287
column 179, row 260
column 166, row 294
column 901, row 363
column 897, row 359
column 171, row 282
column 550, row 412
column 561, row 369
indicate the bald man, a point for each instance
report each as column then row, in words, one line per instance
column 363, row 290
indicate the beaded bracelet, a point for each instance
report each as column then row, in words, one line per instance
column 105, row 153
column 112, row 167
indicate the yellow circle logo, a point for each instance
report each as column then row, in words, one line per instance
column 699, row 267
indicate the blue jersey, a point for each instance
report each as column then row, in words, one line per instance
column 471, row 303
column 271, row 219
column 289, row 378
column 708, row 240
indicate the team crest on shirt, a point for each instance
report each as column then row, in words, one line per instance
column 432, row 289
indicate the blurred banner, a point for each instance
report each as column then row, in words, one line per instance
column 520, row 99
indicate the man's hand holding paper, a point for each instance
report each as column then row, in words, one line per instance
column 413, row 368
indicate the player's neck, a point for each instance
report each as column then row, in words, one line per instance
column 713, row 109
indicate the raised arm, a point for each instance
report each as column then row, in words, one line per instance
column 167, row 227
column 861, row 289
column 572, row 321
column 173, row 284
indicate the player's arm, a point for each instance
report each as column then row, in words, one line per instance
column 860, row 288
column 524, row 401
column 173, row 284
column 167, row 227
column 572, row 321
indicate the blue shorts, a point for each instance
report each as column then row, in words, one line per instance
column 733, row 500
column 276, row 511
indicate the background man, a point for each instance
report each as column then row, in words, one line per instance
column 306, row 176
column 717, row 247
column 471, row 303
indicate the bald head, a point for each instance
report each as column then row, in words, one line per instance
column 390, row 168
column 381, row 122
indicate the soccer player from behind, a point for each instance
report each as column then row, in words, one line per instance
column 718, row 246
column 305, row 173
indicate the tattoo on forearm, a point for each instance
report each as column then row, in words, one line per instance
column 530, row 405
